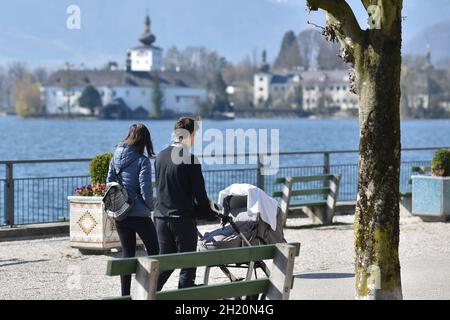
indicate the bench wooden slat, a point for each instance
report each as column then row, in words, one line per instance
column 306, row 179
column 312, row 203
column 219, row 291
column 420, row 169
column 305, row 192
column 211, row 292
column 310, row 192
column 125, row 298
column 322, row 211
column 196, row 259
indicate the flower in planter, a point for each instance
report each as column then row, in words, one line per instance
column 98, row 190
column 438, row 172
column 84, row 191
column 440, row 165
column 98, row 168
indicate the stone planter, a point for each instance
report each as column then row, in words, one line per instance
column 431, row 198
column 90, row 227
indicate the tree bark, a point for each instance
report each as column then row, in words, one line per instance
column 376, row 56
column 378, row 68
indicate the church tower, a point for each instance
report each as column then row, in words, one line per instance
column 147, row 57
column 261, row 82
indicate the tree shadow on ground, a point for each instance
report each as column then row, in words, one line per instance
column 337, row 226
column 14, row 262
column 324, row 276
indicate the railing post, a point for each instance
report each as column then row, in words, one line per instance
column 9, row 195
column 326, row 169
column 326, row 163
column 259, row 175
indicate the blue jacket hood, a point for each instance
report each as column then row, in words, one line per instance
column 124, row 156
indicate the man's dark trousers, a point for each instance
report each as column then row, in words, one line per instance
column 176, row 235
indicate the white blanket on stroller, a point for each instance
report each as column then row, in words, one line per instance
column 257, row 202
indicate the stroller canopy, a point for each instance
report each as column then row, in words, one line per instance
column 258, row 202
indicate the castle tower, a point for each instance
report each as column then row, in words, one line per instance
column 265, row 66
column 261, row 82
column 147, row 57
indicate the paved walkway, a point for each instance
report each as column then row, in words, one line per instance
column 426, row 278
column 50, row 269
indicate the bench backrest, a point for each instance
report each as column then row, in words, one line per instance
column 330, row 191
column 293, row 181
column 147, row 269
column 421, row 170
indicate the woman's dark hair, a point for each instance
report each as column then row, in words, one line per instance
column 139, row 137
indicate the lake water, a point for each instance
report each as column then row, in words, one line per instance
column 41, row 190
column 61, row 139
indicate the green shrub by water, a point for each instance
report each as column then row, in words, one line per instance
column 98, row 168
column 440, row 165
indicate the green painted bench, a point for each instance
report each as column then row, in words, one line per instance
column 146, row 270
column 321, row 210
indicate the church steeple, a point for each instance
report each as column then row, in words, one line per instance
column 265, row 66
column 147, row 38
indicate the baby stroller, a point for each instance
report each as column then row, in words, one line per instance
column 241, row 229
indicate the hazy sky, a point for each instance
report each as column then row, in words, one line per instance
column 35, row 30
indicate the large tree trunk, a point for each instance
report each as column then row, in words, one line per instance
column 378, row 68
column 376, row 56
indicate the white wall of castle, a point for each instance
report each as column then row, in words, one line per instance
column 178, row 100
column 337, row 94
column 261, row 87
column 146, row 59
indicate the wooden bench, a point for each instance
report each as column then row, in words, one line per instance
column 147, row 269
column 320, row 210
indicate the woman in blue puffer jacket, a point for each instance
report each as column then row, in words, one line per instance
column 133, row 170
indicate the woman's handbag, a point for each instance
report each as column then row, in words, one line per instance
column 116, row 202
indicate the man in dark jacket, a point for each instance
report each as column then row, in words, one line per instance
column 182, row 199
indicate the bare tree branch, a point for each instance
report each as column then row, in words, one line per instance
column 341, row 16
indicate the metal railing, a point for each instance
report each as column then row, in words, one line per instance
column 29, row 200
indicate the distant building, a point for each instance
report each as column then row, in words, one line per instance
column 310, row 89
column 146, row 57
column 126, row 89
column 418, row 90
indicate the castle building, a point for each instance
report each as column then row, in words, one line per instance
column 126, row 92
column 147, row 57
column 308, row 89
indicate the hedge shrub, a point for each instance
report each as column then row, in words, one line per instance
column 440, row 165
column 98, row 168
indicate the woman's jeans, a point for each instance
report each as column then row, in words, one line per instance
column 127, row 230
column 176, row 235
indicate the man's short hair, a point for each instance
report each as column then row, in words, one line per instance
column 187, row 124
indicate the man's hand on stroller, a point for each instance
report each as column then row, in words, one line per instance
column 226, row 219
column 216, row 211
